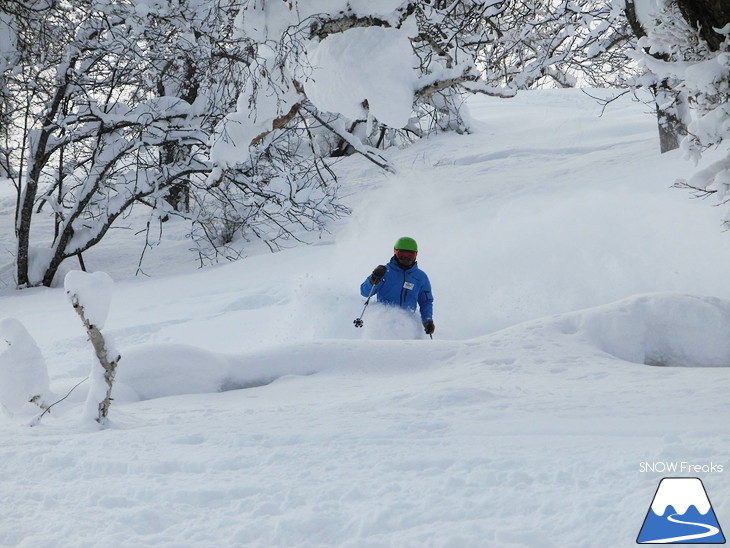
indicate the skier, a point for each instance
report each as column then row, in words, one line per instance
column 401, row 283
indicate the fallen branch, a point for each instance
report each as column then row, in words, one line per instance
column 47, row 409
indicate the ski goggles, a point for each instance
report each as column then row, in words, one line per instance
column 406, row 255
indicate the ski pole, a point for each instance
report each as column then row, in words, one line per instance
column 358, row 321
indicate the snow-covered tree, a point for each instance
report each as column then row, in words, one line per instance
column 364, row 70
column 230, row 113
column 119, row 111
column 347, row 72
column 685, row 51
column 557, row 43
column 92, row 132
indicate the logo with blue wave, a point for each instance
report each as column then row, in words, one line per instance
column 681, row 513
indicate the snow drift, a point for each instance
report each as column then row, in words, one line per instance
column 23, row 370
column 658, row 329
column 670, row 330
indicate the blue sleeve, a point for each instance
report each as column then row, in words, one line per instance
column 365, row 288
column 425, row 300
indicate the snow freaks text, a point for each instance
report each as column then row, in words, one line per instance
column 680, row 467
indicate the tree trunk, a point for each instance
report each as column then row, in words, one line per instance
column 100, row 349
column 671, row 128
column 22, row 232
column 39, row 158
column 669, row 123
column 707, row 15
column 179, row 195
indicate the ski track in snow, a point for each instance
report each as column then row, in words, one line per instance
column 562, row 264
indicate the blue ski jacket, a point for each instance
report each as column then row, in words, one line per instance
column 405, row 288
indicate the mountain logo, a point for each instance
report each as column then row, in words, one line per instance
column 680, row 513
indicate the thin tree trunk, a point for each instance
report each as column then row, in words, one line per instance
column 30, row 190
column 100, row 349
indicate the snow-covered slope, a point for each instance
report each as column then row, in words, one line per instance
column 581, row 309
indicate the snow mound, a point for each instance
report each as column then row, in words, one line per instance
column 158, row 370
column 23, row 371
column 660, row 329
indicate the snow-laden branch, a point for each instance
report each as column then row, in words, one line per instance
column 322, row 26
column 338, row 128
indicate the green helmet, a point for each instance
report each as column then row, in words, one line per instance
column 406, row 243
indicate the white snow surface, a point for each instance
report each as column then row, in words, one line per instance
column 581, row 307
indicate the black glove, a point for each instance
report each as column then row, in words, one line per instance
column 378, row 274
column 429, row 327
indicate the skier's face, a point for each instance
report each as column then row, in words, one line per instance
column 406, row 258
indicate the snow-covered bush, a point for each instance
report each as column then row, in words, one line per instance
column 23, row 371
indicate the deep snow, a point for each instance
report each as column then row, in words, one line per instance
column 581, row 308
